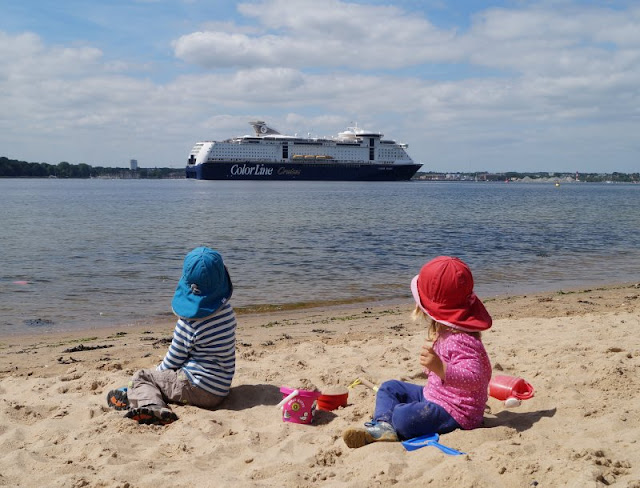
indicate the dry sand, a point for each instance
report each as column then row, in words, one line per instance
column 580, row 350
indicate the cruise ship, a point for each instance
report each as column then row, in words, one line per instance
column 353, row 155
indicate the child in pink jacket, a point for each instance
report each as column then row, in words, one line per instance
column 453, row 358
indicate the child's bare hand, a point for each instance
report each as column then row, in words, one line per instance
column 431, row 361
column 428, row 358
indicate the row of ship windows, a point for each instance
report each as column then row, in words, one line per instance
column 345, row 154
column 273, row 150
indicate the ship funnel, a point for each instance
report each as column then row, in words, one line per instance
column 262, row 129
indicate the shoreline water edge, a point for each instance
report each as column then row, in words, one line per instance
column 41, row 328
column 579, row 349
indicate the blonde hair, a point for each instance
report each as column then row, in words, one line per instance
column 435, row 328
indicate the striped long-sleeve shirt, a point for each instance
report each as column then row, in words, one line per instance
column 205, row 349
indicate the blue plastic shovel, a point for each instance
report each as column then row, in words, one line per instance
column 429, row 440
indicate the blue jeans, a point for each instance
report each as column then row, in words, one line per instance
column 403, row 405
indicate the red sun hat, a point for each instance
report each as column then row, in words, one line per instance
column 444, row 291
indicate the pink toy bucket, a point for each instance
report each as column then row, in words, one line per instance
column 503, row 387
column 299, row 408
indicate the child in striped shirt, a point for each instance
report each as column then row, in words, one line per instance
column 199, row 366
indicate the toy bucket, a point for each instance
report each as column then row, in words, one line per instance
column 333, row 399
column 504, row 387
column 298, row 408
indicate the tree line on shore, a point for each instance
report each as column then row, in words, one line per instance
column 12, row 168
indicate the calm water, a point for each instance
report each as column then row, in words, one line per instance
column 101, row 252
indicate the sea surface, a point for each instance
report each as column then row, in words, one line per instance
column 79, row 254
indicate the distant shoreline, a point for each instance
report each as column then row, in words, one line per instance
column 13, row 168
column 463, row 178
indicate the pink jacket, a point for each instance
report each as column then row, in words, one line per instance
column 464, row 391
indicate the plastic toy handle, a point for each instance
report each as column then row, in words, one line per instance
column 429, row 440
column 529, row 392
column 447, row 450
column 369, row 384
column 287, row 398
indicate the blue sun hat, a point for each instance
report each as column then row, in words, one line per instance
column 204, row 287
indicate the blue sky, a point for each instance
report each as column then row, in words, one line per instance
column 469, row 85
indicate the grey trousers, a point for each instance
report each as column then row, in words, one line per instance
column 152, row 387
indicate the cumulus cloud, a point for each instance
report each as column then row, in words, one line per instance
column 331, row 33
column 554, row 42
column 338, row 34
column 24, row 55
column 72, row 102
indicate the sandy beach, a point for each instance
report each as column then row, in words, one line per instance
column 579, row 349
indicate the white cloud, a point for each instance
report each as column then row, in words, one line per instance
column 338, row 34
column 554, row 42
column 569, row 25
column 25, row 56
column 312, row 34
column 230, row 27
column 68, row 102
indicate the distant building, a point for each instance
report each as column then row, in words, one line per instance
column 134, row 164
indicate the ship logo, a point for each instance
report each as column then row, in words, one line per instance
column 251, row 170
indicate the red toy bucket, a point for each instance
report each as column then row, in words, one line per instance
column 299, row 408
column 503, row 387
column 333, row 398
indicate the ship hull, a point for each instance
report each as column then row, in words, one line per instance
column 302, row 171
